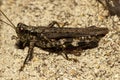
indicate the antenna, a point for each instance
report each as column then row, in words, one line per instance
column 12, row 25
column 5, row 22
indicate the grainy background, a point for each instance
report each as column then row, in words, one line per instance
column 101, row 63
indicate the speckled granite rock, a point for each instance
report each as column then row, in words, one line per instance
column 101, row 63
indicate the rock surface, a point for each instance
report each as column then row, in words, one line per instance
column 101, row 63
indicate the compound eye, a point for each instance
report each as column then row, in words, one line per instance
column 20, row 27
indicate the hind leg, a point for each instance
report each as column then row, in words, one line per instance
column 56, row 23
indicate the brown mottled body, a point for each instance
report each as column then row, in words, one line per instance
column 57, row 39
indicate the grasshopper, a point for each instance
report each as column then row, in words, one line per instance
column 55, row 39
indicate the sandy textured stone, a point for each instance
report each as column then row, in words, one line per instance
column 101, row 63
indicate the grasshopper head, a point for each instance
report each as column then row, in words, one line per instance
column 20, row 29
column 22, row 35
